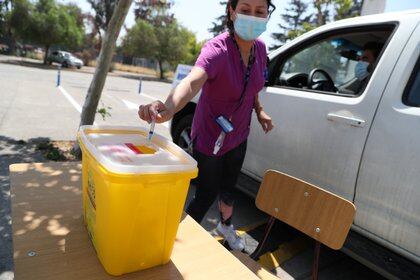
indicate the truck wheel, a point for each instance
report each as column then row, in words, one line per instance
column 65, row 64
column 182, row 134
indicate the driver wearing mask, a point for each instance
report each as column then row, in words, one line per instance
column 366, row 62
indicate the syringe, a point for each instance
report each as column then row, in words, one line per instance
column 151, row 131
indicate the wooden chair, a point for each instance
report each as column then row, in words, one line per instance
column 320, row 214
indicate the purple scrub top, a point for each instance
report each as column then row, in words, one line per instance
column 221, row 93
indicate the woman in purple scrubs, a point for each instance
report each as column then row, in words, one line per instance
column 230, row 71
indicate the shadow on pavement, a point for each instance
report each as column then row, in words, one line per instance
column 87, row 70
column 144, row 78
column 12, row 151
column 25, row 63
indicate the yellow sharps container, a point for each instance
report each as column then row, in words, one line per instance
column 133, row 195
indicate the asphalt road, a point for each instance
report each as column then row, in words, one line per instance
column 32, row 107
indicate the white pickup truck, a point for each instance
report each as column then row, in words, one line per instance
column 359, row 140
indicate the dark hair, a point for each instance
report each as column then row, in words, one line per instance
column 234, row 3
column 374, row 47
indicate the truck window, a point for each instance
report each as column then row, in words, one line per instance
column 411, row 95
column 340, row 64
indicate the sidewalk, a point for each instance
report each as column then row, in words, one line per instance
column 11, row 151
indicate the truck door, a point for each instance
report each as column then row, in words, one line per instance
column 321, row 126
column 388, row 187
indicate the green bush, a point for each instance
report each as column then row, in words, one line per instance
column 50, row 152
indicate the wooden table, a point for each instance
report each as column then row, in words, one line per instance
column 51, row 242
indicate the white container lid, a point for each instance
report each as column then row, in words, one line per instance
column 123, row 149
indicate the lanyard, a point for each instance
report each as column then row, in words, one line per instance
column 247, row 73
column 219, row 142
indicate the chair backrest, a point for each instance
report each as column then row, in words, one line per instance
column 320, row 214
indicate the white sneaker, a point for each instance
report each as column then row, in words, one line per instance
column 229, row 234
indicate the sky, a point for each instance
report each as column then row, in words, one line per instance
column 198, row 15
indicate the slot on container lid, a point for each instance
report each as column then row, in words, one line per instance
column 142, row 149
column 127, row 150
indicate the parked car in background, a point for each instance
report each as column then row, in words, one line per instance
column 66, row 59
column 4, row 48
column 357, row 138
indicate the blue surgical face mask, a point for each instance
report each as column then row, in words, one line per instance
column 361, row 70
column 249, row 28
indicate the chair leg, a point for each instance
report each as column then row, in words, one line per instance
column 315, row 265
column 261, row 244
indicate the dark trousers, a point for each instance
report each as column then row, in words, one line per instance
column 217, row 176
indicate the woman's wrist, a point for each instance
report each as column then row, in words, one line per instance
column 258, row 110
column 170, row 108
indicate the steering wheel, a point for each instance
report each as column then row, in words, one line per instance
column 324, row 85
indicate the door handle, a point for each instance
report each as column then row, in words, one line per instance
column 346, row 120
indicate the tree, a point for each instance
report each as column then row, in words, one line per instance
column 341, row 9
column 103, row 13
column 4, row 13
column 296, row 22
column 219, row 26
column 166, row 43
column 17, row 21
column 155, row 12
column 172, row 45
column 322, row 11
column 140, row 40
column 91, row 45
column 55, row 24
column 47, row 23
column 108, row 44
column 193, row 47
column 73, row 10
column 347, row 8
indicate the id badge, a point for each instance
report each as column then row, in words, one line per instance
column 224, row 124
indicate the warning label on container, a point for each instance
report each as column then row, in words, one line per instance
column 90, row 207
column 91, row 190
